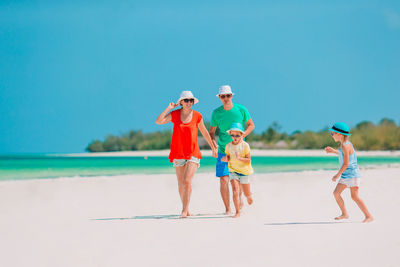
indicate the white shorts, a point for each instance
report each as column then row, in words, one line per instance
column 182, row 162
column 350, row 182
column 243, row 179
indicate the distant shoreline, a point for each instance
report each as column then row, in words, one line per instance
column 254, row 152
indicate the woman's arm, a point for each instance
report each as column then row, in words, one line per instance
column 165, row 116
column 207, row 136
column 212, row 135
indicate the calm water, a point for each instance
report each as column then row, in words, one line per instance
column 22, row 167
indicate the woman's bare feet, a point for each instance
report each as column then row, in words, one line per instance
column 237, row 215
column 368, row 219
column 341, row 217
column 228, row 212
column 184, row 214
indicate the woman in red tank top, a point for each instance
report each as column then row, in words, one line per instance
column 185, row 153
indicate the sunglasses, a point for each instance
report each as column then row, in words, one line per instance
column 187, row 100
column 235, row 135
column 332, row 133
column 227, row 96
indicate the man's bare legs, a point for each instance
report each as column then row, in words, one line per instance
column 224, row 189
column 247, row 193
column 361, row 204
column 190, row 170
column 236, row 195
column 338, row 190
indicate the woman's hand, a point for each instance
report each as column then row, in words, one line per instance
column 215, row 152
column 224, row 159
column 172, row 105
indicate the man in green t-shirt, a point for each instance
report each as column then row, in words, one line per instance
column 223, row 117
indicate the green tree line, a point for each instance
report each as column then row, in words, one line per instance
column 366, row 135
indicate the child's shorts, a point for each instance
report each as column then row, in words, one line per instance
column 243, row 179
column 350, row 182
column 182, row 162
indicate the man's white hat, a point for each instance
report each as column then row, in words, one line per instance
column 225, row 90
column 187, row 95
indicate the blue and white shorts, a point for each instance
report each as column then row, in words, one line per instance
column 182, row 162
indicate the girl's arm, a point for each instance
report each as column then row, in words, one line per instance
column 226, row 158
column 346, row 152
column 206, row 135
column 165, row 116
column 329, row 149
column 246, row 158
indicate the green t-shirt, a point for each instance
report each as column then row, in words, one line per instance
column 223, row 119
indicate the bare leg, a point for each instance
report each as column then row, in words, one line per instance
column 224, row 189
column 180, row 172
column 236, row 195
column 247, row 193
column 361, row 204
column 338, row 190
column 240, row 196
column 190, row 170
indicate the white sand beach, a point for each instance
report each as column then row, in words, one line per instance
column 254, row 152
column 133, row 221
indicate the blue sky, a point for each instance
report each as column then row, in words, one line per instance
column 75, row 71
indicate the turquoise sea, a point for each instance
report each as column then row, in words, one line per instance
column 21, row 167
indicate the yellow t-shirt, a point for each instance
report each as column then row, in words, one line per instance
column 236, row 165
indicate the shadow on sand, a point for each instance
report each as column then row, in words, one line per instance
column 305, row 223
column 168, row 217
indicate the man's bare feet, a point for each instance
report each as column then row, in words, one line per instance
column 368, row 219
column 237, row 215
column 250, row 200
column 341, row 217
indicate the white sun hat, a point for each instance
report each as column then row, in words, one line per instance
column 187, row 95
column 225, row 90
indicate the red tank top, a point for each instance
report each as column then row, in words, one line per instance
column 184, row 137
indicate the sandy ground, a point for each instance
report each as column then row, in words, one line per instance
column 133, row 221
column 254, row 152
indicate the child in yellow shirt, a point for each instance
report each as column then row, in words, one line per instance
column 239, row 164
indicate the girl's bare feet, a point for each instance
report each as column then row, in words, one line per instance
column 241, row 203
column 237, row 215
column 368, row 219
column 228, row 212
column 250, row 200
column 341, row 217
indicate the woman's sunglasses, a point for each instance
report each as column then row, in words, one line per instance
column 227, row 96
column 187, row 100
column 235, row 135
